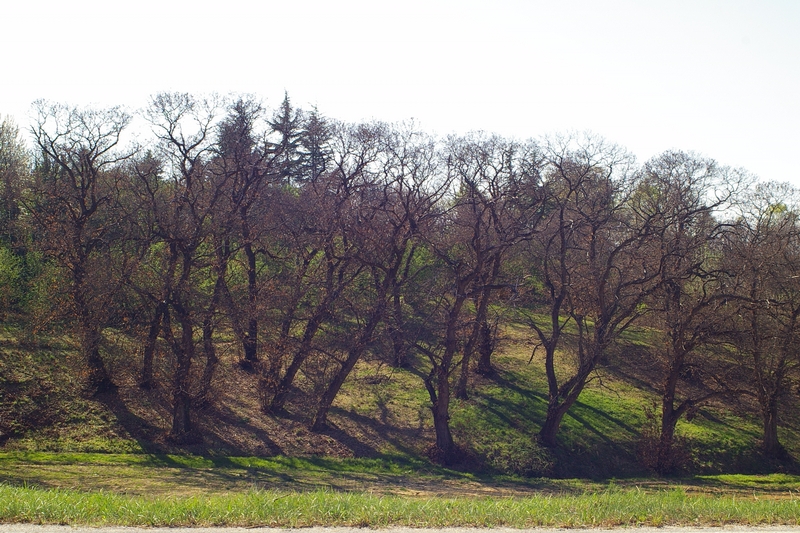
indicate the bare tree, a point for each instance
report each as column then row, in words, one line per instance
column 392, row 203
column 73, row 202
column 324, row 264
column 763, row 252
column 495, row 203
column 183, row 205
column 682, row 195
column 249, row 164
column 501, row 201
column 590, row 263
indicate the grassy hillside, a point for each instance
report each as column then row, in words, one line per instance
column 382, row 413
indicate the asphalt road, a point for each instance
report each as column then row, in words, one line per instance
column 31, row 528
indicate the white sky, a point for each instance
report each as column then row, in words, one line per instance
column 718, row 77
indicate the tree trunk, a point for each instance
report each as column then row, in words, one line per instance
column 181, row 432
column 444, row 438
column 282, row 391
column 321, row 417
column 396, row 325
column 270, row 373
column 475, row 335
column 445, row 451
column 665, row 458
column 439, row 391
column 334, row 283
column 485, row 349
column 208, row 338
column 557, row 409
column 769, row 416
column 552, row 423
column 211, row 361
column 99, row 381
column 469, row 349
column 182, row 427
column 146, row 378
column 355, row 353
column 396, row 329
column 250, row 341
column 463, row 379
column 669, row 415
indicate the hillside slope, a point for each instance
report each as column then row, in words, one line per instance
column 381, row 412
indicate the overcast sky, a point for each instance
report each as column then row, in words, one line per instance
column 718, row 77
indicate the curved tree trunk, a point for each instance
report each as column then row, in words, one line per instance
column 559, row 404
column 281, row 393
column 321, row 417
column 555, row 414
column 355, row 353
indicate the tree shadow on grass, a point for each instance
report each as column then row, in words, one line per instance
column 584, row 421
column 397, row 437
column 142, row 431
column 223, row 424
column 597, row 457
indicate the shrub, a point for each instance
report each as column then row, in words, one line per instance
column 662, row 458
column 519, row 455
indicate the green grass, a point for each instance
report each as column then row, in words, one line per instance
column 179, row 490
column 769, row 483
column 611, row 507
column 143, row 474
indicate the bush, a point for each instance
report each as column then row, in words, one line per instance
column 654, row 455
column 520, row 456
